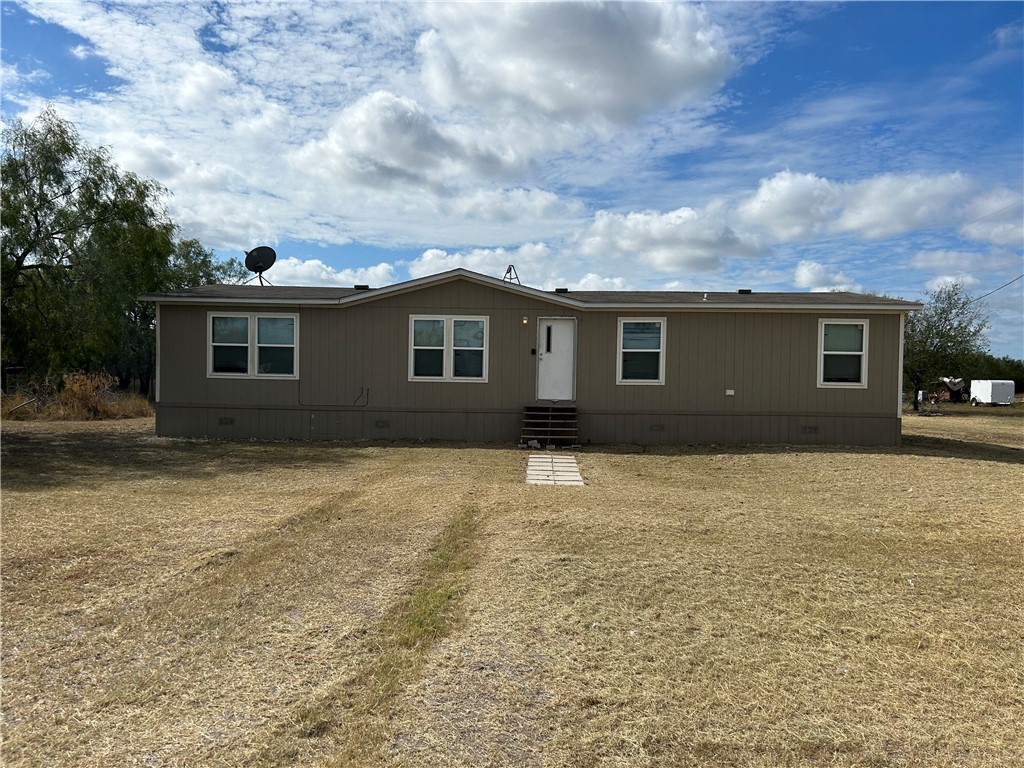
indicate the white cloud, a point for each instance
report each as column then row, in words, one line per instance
column 891, row 204
column 683, row 239
column 293, row 271
column 834, row 111
column 791, row 206
column 533, row 262
column 600, row 135
column 384, row 139
column 592, row 282
column 18, row 84
column 536, row 264
column 995, row 217
column 819, row 278
column 947, row 260
column 80, row 52
column 407, row 216
column 1009, row 35
column 573, row 61
column 197, row 84
column 686, row 285
column 508, row 205
column 797, row 206
column 943, row 281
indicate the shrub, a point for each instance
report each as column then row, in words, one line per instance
column 82, row 397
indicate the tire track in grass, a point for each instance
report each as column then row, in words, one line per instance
column 353, row 715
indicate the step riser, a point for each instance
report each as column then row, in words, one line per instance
column 550, row 425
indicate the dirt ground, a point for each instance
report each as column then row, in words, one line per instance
column 188, row 602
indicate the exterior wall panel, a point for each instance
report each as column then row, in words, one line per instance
column 354, row 379
column 283, row 425
column 729, row 429
column 184, row 358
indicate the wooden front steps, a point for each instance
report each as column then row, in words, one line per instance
column 550, row 425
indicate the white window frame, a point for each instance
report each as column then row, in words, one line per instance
column 448, row 365
column 661, row 352
column 822, row 384
column 253, row 346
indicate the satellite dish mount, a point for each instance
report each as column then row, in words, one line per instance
column 511, row 275
column 259, row 260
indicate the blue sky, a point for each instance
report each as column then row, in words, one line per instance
column 863, row 146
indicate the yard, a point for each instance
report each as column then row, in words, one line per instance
column 203, row 603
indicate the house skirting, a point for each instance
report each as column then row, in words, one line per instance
column 651, row 428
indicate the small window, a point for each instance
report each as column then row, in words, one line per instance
column 230, row 342
column 641, row 355
column 842, row 353
column 448, row 348
column 253, row 345
column 428, row 348
column 275, row 345
column 468, row 349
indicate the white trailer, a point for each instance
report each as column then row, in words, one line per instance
column 992, row 392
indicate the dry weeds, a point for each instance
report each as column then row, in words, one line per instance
column 202, row 603
column 81, row 397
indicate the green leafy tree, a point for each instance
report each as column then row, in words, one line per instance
column 81, row 240
column 189, row 264
column 986, row 366
column 944, row 338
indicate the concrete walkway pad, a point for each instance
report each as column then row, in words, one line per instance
column 549, row 469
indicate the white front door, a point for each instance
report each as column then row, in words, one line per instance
column 556, row 358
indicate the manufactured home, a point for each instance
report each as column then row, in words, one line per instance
column 465, row 356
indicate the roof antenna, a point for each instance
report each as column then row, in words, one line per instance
column 511, row 275
column 259, row 260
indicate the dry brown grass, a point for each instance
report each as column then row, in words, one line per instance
column 988, row 425
column 203, row 603
column 81, row 397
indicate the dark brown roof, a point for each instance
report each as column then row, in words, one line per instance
column 700, row 297
column 257, row 292
column 268, row 294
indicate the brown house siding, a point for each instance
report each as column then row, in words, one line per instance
column 354, row 384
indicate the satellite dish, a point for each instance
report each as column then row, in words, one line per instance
column 260, row 259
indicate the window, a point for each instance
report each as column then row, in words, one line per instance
column 230, row 341
column 248, row 345
column 275, row 346
column 843, row 353
column 641, row 355
column 447, row 348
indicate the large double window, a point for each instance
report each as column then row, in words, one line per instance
column 253, row 345
column 641, row 354
column 447, row 348
column 843, row 353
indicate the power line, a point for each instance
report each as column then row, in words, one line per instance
column 997, row 289
column 982, row 218
column 990, row 215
